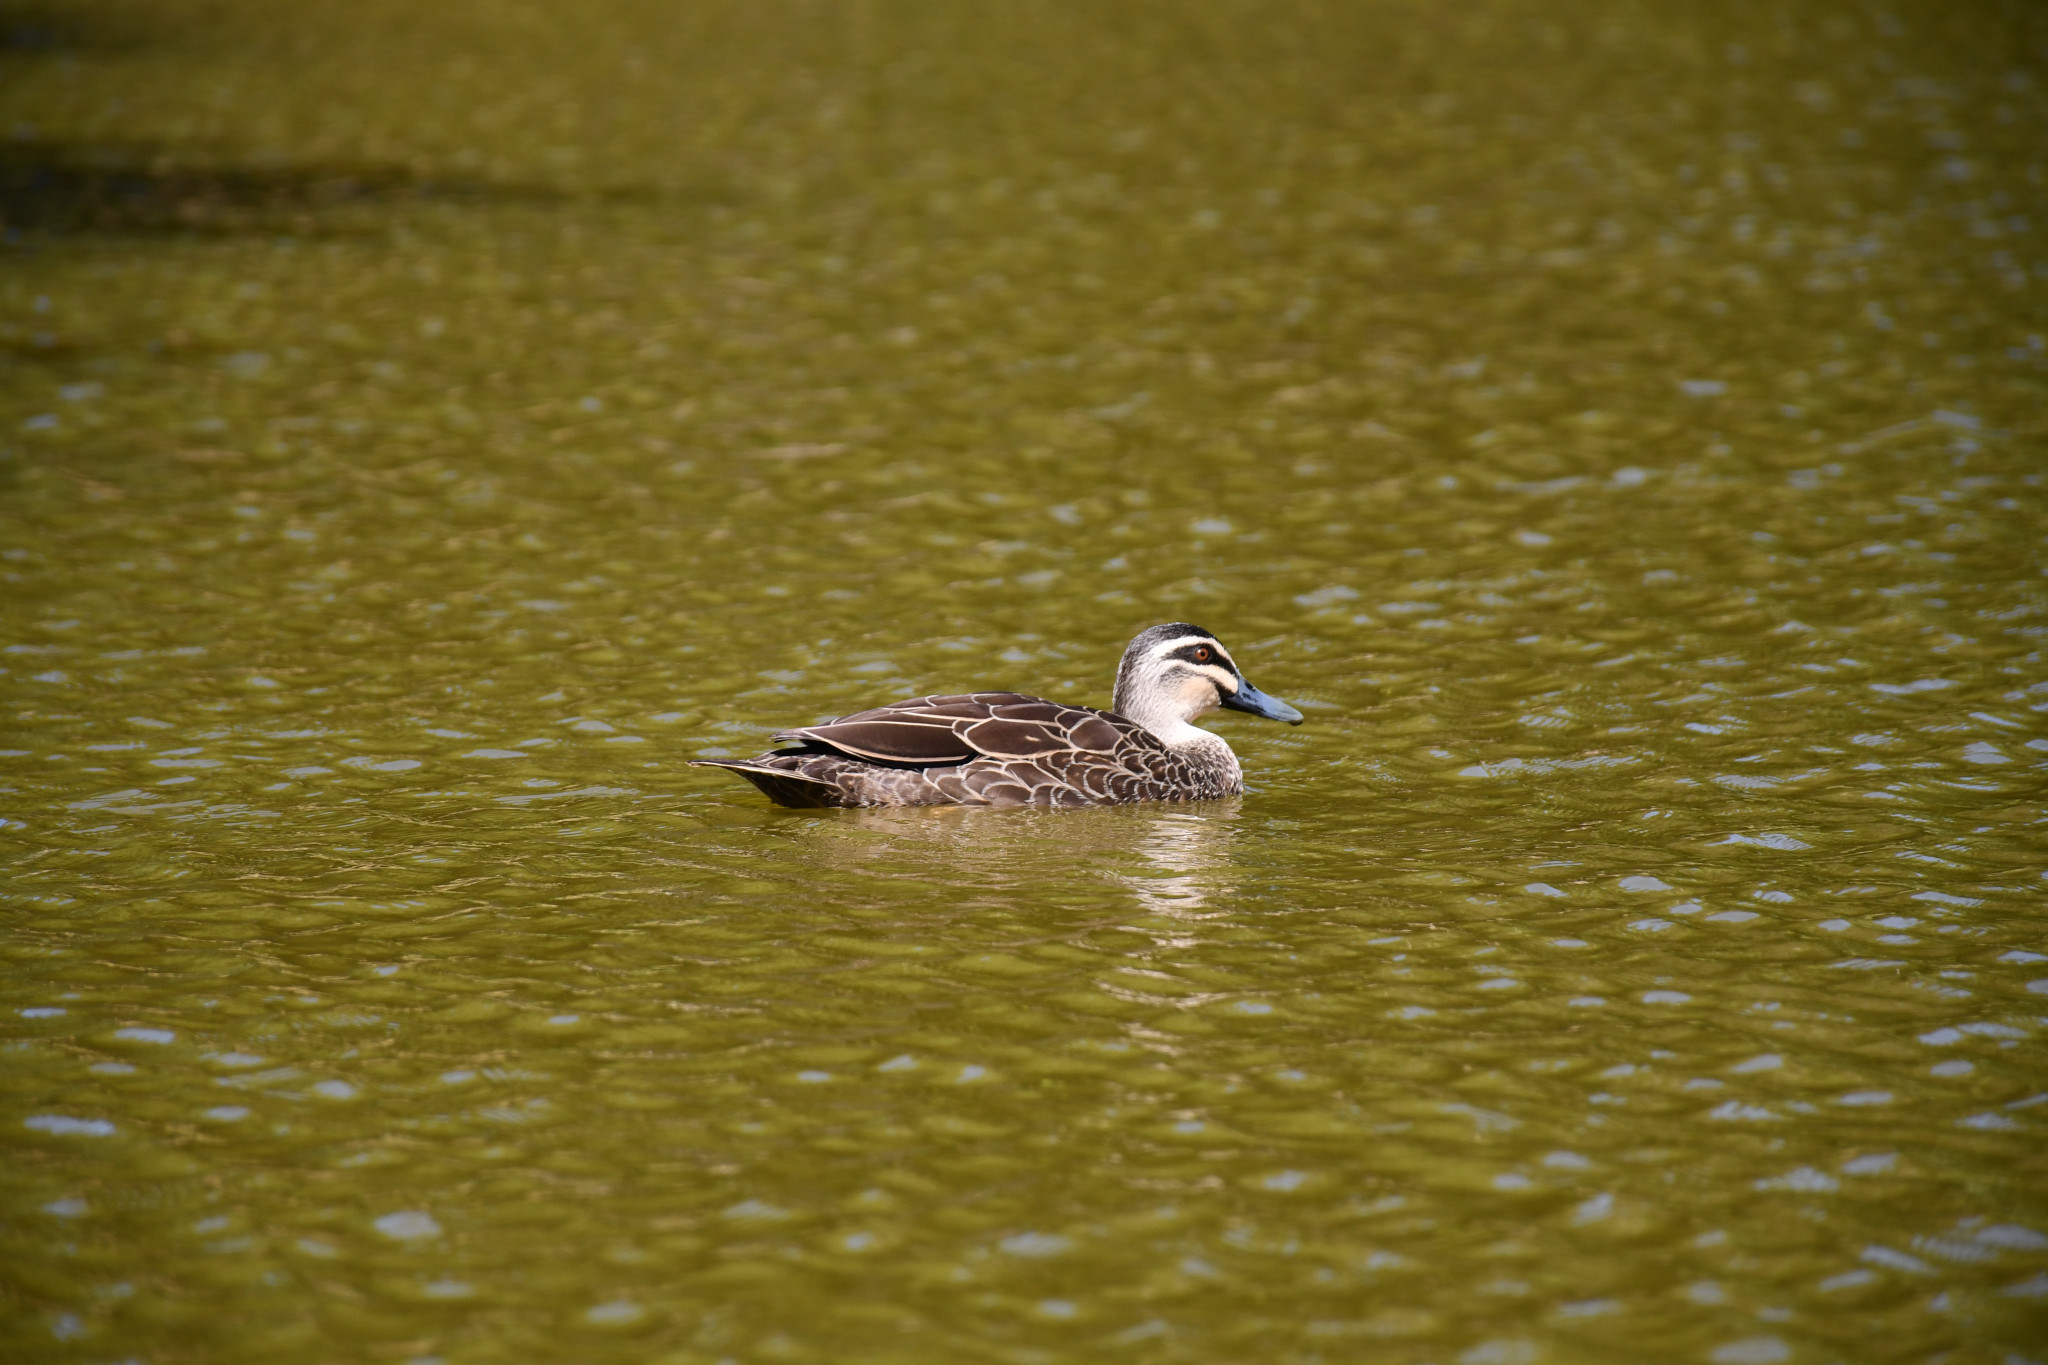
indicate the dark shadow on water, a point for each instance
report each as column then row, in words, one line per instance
column 59, row 189
column 68, row 26
column 53, row 187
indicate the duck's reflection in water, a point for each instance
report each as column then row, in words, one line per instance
column 1175, row 860
column 1190, row 852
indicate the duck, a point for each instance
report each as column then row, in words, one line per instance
column 1012, row 749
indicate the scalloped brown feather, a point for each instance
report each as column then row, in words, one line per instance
column 978, row 749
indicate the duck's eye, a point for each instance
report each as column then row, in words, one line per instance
column 1202, row 655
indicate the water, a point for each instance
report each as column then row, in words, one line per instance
column 1618, row 427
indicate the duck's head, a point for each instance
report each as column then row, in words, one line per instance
column 1173, row 673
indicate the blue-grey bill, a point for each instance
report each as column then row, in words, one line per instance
column 1249, row 698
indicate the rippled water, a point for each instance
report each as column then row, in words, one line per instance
column 1620, row 428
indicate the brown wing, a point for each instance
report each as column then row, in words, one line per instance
column 946, row 730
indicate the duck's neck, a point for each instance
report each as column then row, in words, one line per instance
column 1167, row 719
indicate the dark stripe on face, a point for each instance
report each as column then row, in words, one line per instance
column 1192, row 653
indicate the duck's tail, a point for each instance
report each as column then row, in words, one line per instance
column 780, row 785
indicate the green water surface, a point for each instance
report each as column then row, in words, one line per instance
column 1619, row 426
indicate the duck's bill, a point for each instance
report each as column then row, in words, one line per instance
column 1249, row 698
